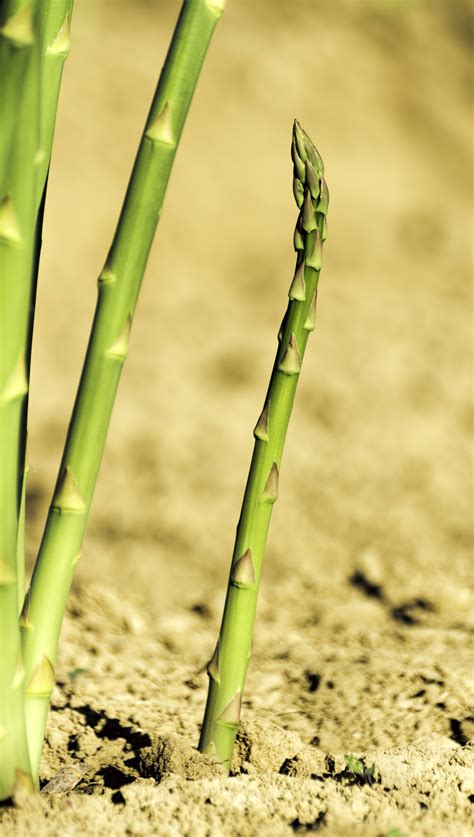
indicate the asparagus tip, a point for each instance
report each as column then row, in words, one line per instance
column 307, row 149
column 298, row 136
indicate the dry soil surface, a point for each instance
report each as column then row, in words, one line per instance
column 357, row 717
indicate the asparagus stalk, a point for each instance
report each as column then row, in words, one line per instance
column 52, row 27
column 54, row 22
column 228, row 667
column 33, row 45
column 118, row 288
column 26, row 147
column 18, row 138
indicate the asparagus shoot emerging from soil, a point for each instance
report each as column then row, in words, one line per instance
column 18, row 132
column 33, row 46
column 228, row 667
column 118, row 288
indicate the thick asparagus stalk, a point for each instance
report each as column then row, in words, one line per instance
column 228, row 667
column 33, row 45
column 18, row 137
column 118, row 288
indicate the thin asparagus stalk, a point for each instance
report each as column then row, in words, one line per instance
column 53, row 25
column 52, row 19
column 54, row 22
column 18, row 142
column 118, row 288
column 26, row 147
column 228, row 667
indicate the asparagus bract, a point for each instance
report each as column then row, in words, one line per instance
column 228, row 667
column 118, row 288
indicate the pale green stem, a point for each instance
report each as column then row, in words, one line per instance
column 118, row 289
column 53, row 20
column 31, row 58
column 18, row 143
column 228, row 666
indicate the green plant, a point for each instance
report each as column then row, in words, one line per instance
column 34, row 41
column 27, row 31
column 228, row 667
column 359, row 770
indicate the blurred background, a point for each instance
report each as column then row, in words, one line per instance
column 377, row 461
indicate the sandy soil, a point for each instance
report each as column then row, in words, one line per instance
column 358, row 714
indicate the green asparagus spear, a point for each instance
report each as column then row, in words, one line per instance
column 118, row 288
column 53, row 18
column 228, row 667
column 33, row 45
column 54, row 22
column 18, row 142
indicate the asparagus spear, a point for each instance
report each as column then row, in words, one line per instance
column 228, row 667
column 33, row 45
column 29, row 110
column 18, row 135
column 118, row 288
